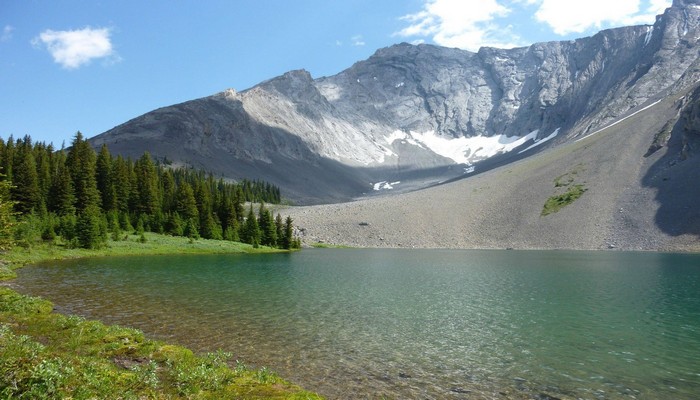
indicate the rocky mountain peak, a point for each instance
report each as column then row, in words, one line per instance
column 421, row 114
column 685, row 3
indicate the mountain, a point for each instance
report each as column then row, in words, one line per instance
column 410, row 116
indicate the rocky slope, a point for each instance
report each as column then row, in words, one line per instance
column 638, row 196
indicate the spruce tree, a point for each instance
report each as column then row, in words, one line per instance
column 268, row 230
column 7, row 219
column 250, row 232
column 148, row 198
column 104, row 178
column 185, row 203
column 81, row 165
column 279, row 227
column 25, row 190
column 81, row 161
column 121, row 180
column 288, row 234
column 61, row 194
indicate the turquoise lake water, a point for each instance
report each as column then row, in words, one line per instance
column 442, row 324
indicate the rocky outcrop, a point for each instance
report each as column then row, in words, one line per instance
column 420, row 115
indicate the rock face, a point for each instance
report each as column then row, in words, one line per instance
column 412, row 116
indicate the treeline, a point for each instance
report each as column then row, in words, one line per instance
column 84, row 197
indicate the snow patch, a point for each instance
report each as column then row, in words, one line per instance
column 541, row 141
column 398, row 85
column 463, row 150
column 384, row 185
column 650, row 33
column 620, row 120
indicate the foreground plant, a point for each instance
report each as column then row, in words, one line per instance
column 45, row 355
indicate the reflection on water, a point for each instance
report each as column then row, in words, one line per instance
column 414, row 323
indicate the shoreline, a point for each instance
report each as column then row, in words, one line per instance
column 51, row 355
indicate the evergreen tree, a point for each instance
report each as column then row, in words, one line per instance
column 89, row 230
column 268, row 230
column 185, row 204
column 7, row 220
column 121, row 180
column 279, row 228
column 288, row 234
column 104, row 178
column 250, row 231
column 61, row 194
column 81, row 165
column 7, row 158
column 167, row 188
column 25, row 190
column 148, row 198
column 43, row 156
column 174, row 225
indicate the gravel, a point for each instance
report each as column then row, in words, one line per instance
column 501, row 208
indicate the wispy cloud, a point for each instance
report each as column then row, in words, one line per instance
column 573, row 16
column 357, row 40
column 75, row 48
column 6, row 35
column 471, row 24
column 467, row 24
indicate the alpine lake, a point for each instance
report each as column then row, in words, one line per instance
column 410, row 324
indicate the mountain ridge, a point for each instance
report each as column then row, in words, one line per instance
column 413, row 117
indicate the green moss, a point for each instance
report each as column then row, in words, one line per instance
column 556, row 203
column 44, row 355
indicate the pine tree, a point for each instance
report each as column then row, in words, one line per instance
column 43, row 155
column 148, row 198
column 279, row 227
column 288, row 234
column 25, row 180
column 167, row 188
column 61, row 194
column 121, row 180
column 81, row 165
column 268, row 230
column 250, row 231
column 89, row 231
column 185, row 203
column 7, row 220
column 104, row 178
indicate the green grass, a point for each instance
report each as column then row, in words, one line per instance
column 155, row 244
column 556, row 203
column 46, row 355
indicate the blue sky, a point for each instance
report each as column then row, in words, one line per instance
column 91, row 65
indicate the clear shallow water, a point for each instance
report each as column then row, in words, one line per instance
column 414, row 323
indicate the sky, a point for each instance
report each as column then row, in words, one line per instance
column 68, row 66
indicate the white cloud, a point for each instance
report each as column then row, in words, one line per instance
column 471, row 24
column 6, row 33
column 466, row 24
column 357, row 40
column 75, row 48
column 575, row 16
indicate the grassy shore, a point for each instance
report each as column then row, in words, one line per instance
column 45, row 355
column 132, row 245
